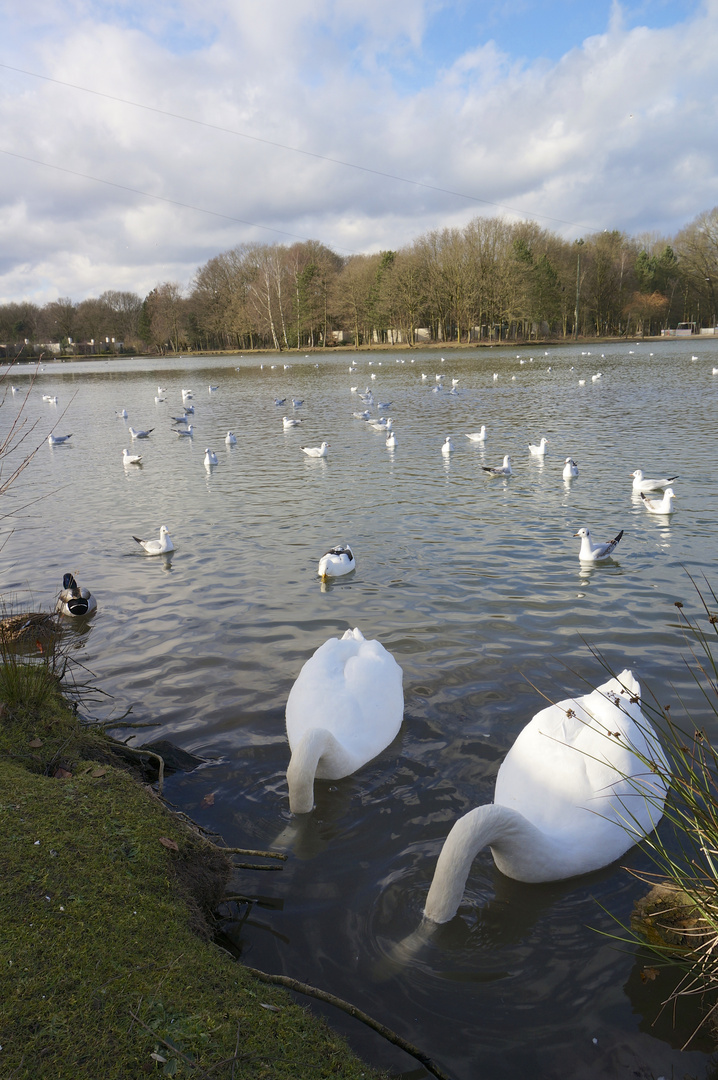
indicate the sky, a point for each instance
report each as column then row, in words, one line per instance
column 138, row 140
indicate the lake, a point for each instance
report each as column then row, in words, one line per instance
column 473, row 584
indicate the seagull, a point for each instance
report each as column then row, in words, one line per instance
column 540, row 450
column 289, row 421
column 131, row 459
column 477, row 436
column 210, row 458
column 447, row 446
column 597, row 377
column 56, row 440
column 660, row 506
column 316, row 451
column 161, row 389
column 591, row 552
column 454, row 382
column 16, row 389
column 391, row 440
column 122, row 413
column 499, row 470
column 212, row 389
column 189, row 409
column 279, row 401
column 570, row 469
column 384, row 405
column 184, row 431
column 361, row 415
column 640, row 483
column 48, row 397
column 186, row 394
column 180, row 419
column 230, row 438
column 297, row 402
column 581, row 382
column 496, row 375
column 157, row 547
column 158, row 399
column 140, row 434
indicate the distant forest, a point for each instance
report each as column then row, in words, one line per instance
column 490, row 281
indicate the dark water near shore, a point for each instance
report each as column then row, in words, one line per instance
column 473, row 584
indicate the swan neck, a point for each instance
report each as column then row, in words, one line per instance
column 484, row 826
column 315, row 744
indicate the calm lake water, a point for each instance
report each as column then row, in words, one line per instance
column 472, row 583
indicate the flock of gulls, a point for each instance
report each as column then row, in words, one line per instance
column 585, row 779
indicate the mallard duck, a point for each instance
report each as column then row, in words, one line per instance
column 73, row 600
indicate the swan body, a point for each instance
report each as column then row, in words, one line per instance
column 316, row 451
column 345, row 707
column 157, row 547
column 478, row 436
column 540, row 450
column 230, row 438
column 139, row 433
column 499, row 470
column 131, row 459
column 73, row 600
column 659, row 506
column 642, row 483
column 570, row 469
column 590, row 552
column 447, row 446
column 336, row 562
column 573, row 794
column 57, row 440
column 210, row 458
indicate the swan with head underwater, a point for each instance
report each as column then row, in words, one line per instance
column 345, row 707
column 584, row 782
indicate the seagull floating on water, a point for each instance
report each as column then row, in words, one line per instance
column 210, row 458
column 279, row 400
column 212, row 389
column 131, row 459
column 140, row 434
column 316, row 451
column 230, row 438
column 180, row 419
column 478, row 436
column 448, row 446
column 57, row 440
column 499, row 470
column 391, row 440
column 289, row 421
column 157, row 547
column 336, row 562
column 591, row 552
column 660, row 506
column 122, row 413
column 189, row 430
column 297, row 402
column 642, row 483
column 540, row 450
column 570, row 469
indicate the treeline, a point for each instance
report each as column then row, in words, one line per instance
column 492, row 280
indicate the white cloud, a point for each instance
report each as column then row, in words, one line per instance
column 617, row 134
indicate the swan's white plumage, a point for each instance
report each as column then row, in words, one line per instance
column 574, row 793
column 345, row 707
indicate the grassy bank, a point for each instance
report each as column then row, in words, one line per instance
column 107, row 967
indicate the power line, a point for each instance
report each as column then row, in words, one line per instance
column 284, row 146
column 159, row 198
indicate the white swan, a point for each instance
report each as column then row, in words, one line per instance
column 540, row 450
column 157, row 547
column 570, row 469
column 73, row 600
column 660, row 506
column 590, row 552
column 642, row 483
column 336, row 562
column 573, row 794
column 345, row 707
